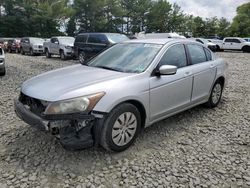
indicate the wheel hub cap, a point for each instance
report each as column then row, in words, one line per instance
column 216, row 93
column 124, row 129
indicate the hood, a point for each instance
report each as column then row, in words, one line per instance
column 67, row 44
column 54, row 85
column 211, row 44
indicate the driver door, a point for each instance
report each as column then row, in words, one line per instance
column 169, row 93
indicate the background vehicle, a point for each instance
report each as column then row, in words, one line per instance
column 247, row 39
column 127, row 87
column 62, row 46
column 88, row 45
column 31, row 45
column 2, row 63
column 207, row 43
column 235, row 43
column 13, row 45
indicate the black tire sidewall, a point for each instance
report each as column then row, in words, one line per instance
column 211, row 104
column 81, row 54
column 106, row 135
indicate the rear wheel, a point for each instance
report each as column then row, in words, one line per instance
column 121, row 127
column 216, row 94
column 82, row 57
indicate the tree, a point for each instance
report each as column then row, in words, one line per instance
column 241, row 22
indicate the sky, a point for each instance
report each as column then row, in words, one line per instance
column 210, row 8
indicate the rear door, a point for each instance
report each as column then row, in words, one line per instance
column 204, row 71
column 96, row 43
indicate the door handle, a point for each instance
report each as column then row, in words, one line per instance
column 187, row 73
column 212, row 66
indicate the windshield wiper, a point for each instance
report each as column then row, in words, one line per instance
column 109, row 68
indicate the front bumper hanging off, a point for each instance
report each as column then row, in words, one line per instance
column 69, row 137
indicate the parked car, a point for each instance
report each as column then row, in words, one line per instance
column 124, row 89
column 31, row 45
column 218, row 43
column 88, row 45
column 2, row 63
column 13, row 45
column 62, row 46
column 206, row 43
column 235, row 43
column 247, row 39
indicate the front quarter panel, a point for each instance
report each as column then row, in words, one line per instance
column 132, row 88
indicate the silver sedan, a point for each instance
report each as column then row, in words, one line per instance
column 126, row 88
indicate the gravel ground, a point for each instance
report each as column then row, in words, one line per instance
column 197, row 148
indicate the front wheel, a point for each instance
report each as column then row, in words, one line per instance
column 121, row 127
column 48, row 55
column 3, row 72
column 62, row 55
column 31, row 52
column 215, row 96
column 22, row 52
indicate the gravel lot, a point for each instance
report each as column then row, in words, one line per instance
column 198, row 148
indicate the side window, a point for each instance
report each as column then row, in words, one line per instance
column 53, row 40
column 208, row 54
column 236, row 41
column 81, row 38
column 228, row 40
column 175, row 55
column 197, row 54
column 100, row 39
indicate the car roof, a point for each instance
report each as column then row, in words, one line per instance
column 156, row 41
column 101, row 33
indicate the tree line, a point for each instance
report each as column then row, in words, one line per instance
column 45, row 18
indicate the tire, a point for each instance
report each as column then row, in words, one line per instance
column 48, row 55
column 216, row 94
column 246, row 49
column 31, row 52
column 17, row 51
column 62, row 55
column 3, row 72
column 120, row 128
column 22, row 52
column 82, row 57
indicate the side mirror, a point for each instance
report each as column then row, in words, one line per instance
column 167, row 70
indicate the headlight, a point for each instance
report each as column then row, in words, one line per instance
column 76, row 105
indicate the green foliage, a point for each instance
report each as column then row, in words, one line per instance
column 241, row 23
column 45, row 18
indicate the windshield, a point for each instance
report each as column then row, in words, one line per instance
column 116, row 38
column 36, row 40
column 67, row 40
column 127, row 57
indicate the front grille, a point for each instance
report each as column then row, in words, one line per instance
column 34, row 105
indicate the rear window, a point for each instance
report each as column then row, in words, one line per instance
column 81, row 38
column 208, row 54
column 99, row 39
column 197, row 54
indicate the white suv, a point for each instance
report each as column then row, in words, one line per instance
column 2, row 63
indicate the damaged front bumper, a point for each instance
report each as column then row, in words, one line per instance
column 75, row 131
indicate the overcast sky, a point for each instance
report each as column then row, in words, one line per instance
column 210, row 8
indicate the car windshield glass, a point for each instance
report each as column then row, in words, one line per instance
column 36, row 40
column 68, row 40
column 127, row 57
column 114, row 38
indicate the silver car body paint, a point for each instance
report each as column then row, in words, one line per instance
column 161, row 96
